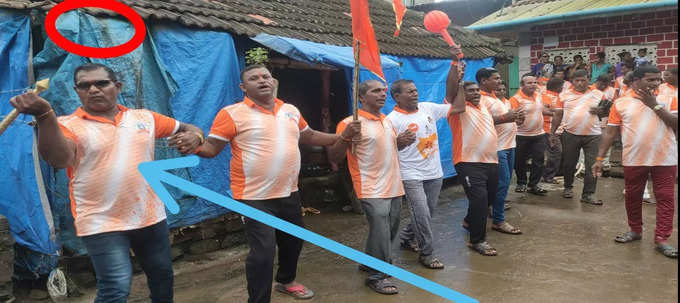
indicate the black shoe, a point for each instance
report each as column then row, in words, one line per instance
column 537, row 191
column 520, row 188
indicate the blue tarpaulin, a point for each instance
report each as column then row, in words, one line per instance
column 428, row 74
column 22, row 197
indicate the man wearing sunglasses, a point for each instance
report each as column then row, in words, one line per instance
column 101, row 144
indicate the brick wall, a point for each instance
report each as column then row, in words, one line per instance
column 659, row 27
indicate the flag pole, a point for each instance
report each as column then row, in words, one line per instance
column 355, row 87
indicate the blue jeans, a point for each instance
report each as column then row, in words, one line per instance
column 110, row 255
column 506, row 161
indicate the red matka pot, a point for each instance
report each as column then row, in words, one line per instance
column 437, row 22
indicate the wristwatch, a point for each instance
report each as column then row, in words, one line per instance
column 658, row 107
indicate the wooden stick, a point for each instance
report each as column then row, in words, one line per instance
column 40, row 86
column 355, row 89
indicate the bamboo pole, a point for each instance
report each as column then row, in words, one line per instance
column 40, row 86
column 355, row 88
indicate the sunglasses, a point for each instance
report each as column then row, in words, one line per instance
column 83, row 86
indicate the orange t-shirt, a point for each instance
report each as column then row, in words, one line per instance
column 106, row 189
column 533, row 108
column 265, row 158
column 552, row 100
column 374, row 166
column 473, row 135
column 505, row 132
column 647, row 140
column 577, row 119
column 668, row 89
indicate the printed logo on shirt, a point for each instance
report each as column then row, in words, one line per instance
column 426, row 146
column 142, row 127
column 413, row 127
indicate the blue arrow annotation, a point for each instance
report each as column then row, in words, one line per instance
column 155, row 174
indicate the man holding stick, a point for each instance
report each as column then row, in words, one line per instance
column 101, row 144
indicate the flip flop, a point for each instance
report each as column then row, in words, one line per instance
column 628, row 237
column 667, row 250
column 506, row 228
column 430, row 262
column 381, row 286
column 299, row 291
column 483, row 248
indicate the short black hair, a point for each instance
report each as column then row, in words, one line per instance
column 640, row 72
column 558, row 56
column 484, row 73
column 251, row 67
column 396, row 86
column 521, row 79
column 554, row 84
column 363, row 87
column 603, row 78
column 580, row 73
column 468, row 83
column 91, row 66
column 601, row 54
column 578, row 56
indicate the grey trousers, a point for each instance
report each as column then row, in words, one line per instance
column 422, row 198
column 571, row 147
column 383, row 226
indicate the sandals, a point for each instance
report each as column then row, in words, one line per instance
column 667, row 250
column 568, row 193
column 382, row 286
column 299, row 291
column 484, row 248
column 537, row 191
column 520, row 188
column 506, row 228
column 628, row 237
column 591, row 200
column 409, row 245
column 430, row 262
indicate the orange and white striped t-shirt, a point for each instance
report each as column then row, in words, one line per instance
column 374, row 166
column 533, row 109
column 620, row 87
column 505, row 132
column 577, row 119
column 106, row 189
column 668, row 89
column 265, row 158
column 473, row 135
column 647, row 140
column 550, row 99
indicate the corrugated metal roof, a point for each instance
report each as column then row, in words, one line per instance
column 322, row 21
column 532, row 9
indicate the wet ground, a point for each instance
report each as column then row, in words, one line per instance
column 566, row 254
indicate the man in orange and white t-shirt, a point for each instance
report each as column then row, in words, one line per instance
column 531, row 143
column 374, row 167
column 670, row 82
column 264, row 133
column 101, row 144
column 506, row 128
column 581, row 120
column 648, row 125
column 551, row 101
column 475, row 156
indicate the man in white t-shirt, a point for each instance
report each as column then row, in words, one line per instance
column 420, row 164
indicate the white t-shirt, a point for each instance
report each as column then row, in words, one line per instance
column 420, row 160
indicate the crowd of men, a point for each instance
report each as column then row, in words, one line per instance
column 389, row 157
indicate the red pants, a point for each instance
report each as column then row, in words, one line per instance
column 663, row 181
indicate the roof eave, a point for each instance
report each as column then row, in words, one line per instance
column 598, row 11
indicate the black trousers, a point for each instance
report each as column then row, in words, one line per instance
column 480, row 181
column 530, row 147
column 553, row 165
column 263, row 241
column 572, row 145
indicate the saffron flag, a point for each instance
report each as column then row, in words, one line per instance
column 362, row 31
column 399, row 11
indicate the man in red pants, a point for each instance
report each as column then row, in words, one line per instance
column 648, row 126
